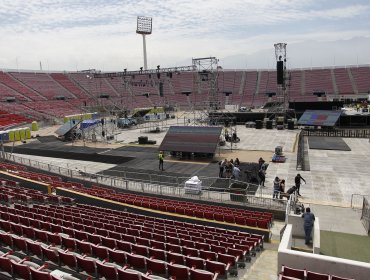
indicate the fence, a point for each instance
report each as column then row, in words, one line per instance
column 347, row 133
column 365, row 215
column 357, row 201
column 300, row 151
column 154, row 185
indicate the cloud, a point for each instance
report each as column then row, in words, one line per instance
column 80, row 34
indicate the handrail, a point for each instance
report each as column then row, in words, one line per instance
column 300, row 152
column 258, row 199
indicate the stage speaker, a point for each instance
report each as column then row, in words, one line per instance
column 280, row 72
column 269, row 124
column 290, row 125
column 161, row 89
column 258, row 124
column 143, row 139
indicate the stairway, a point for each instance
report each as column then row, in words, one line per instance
column 303, row 83
column 242, row 83
column 264, row 268
column 354, row 86
column 258, row 82
column 334, row 81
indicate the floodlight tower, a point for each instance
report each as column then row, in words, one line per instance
column 144, row 27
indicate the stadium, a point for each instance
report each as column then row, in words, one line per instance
column 191, row 172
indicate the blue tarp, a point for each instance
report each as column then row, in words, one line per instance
column 88, row 123
column 4, row 136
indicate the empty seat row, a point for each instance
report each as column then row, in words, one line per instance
column 263, row 220
column 146, row 229
column 70, row 243
column 119, row 260
column 49, row 233
column 289, row 273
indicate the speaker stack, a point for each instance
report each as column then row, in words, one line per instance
column 290, row 124
column 143, row 139
column 269, row 124
column 280, row 72
column 258, row 124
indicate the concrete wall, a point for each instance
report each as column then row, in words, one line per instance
column 296, row 221
column 319, row 263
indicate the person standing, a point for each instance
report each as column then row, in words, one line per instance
column 228, row 169
column 262, row 176
column 261, row 161
column 309, row 219
column 161, row 160
column 297, row 181
column 222, row 168
column 282, row 188
column 236, row 172
column 276, row 188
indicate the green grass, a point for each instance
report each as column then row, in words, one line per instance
column 343, row 245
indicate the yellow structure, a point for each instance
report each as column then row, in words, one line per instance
column 28, row 133
column 80, row 117
column 22, row 132
column 17, row 135
column 35, row 126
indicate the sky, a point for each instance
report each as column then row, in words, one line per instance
column 75, row 35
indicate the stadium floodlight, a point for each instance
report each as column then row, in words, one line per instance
column 144, row 27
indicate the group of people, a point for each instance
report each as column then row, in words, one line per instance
column 229, row 169
column 279, row 187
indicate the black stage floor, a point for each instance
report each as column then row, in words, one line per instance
column 58, row 149
column 140, row 163
column 327, row 143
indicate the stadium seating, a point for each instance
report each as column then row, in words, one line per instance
column 105, row 259
column 223, row 213
column 343, row 81
column 248, row 88
column 8, row 120
column 361, row 77
column 288, row 273
column 43, row 84
column 14, row 84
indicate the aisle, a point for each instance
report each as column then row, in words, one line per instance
column 264, row 268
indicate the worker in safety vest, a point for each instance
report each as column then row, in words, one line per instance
column 161, row 158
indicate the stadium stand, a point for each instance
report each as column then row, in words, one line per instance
column 303, row 274
column 64, row 81
column 343, row 81
column 98, row 242
column 10, row 82
column 9, row 120
column 43, row 84
column 218, row 213
column 248, row 88
column 318, row 80
column 56, row 108
column 193, row 209
column 361, row 77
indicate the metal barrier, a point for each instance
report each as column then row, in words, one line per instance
column 365, row 215
column 357, row 201
column 300, row 151
column 154, row 184
column 347, row 133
